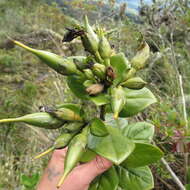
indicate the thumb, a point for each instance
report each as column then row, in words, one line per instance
column 94, row 168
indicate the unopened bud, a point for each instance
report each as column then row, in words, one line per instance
column 99, row 70
column 134, row 83
column 88, row 83
column 59, row 64
column 110, row 73
column 90, row 39
column 67, row 114
column 139, row 60
column 73, row 127
column 104, row 47
column 95, row 89
column 118, row 100
column 80, row 62
column 89, row 74
column 130, row 73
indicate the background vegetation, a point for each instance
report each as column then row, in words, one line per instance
column 26, row 84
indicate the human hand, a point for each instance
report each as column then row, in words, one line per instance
column 78, row 179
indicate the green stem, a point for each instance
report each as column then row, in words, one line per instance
column 97, row 57
column 11, row 120
column 44, row 153
column 102, row 112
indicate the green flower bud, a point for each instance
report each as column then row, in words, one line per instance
column 134, row 83
column 80, row 62
column 104, row 47
column 89, row 74
column 130, row 73
column 76, row 149
column 61, row 142
column 41, row 119
column 95, row 89
column 59, row 64
column 73, row 126
column 118, row 100
column 99, row 70
column 88, row 83
column 67, row 114
column 139, row 60
column 90, row 40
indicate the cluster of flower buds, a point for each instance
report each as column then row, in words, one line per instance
column 102, row 73
column 99, row 71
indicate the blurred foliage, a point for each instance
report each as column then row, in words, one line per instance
column 27, row 84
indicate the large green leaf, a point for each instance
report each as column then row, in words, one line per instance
column 101, row 99
column 136, row 101
column 120, row 65
column 109, row 180
column 76, row 85
column 114, row 147
column 120, row 123
column 139, row 132
column 143, row 154
column 135, row 178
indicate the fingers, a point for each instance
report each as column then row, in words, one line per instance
column 54, row 171
column 83, row 174
column 90, row 170
column 98, row 166
column 80, row 177
column 59, row 154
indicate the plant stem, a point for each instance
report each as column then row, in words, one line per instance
column 183, row 103
column 186, row 154
column 102, row 112
column 173, row 175
column 175, row 178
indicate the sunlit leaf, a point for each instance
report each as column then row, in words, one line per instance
column 141, row 132
column 135, row 178
column 136, row 101
column 109, row 180
column 114, row 147
column 143, row 154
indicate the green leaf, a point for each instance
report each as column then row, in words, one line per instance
column 120, row 123
column 87, row 156
column 101, row 99
column 136, row 101
column 107, row 181
column 76, row 86
column 120, row 65
column 135, row 178
column 114, row 147
column 30, row 182
column 141, row 132
column 143, row 154
column 98, row 128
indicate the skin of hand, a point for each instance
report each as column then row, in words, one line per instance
column 78, row 179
